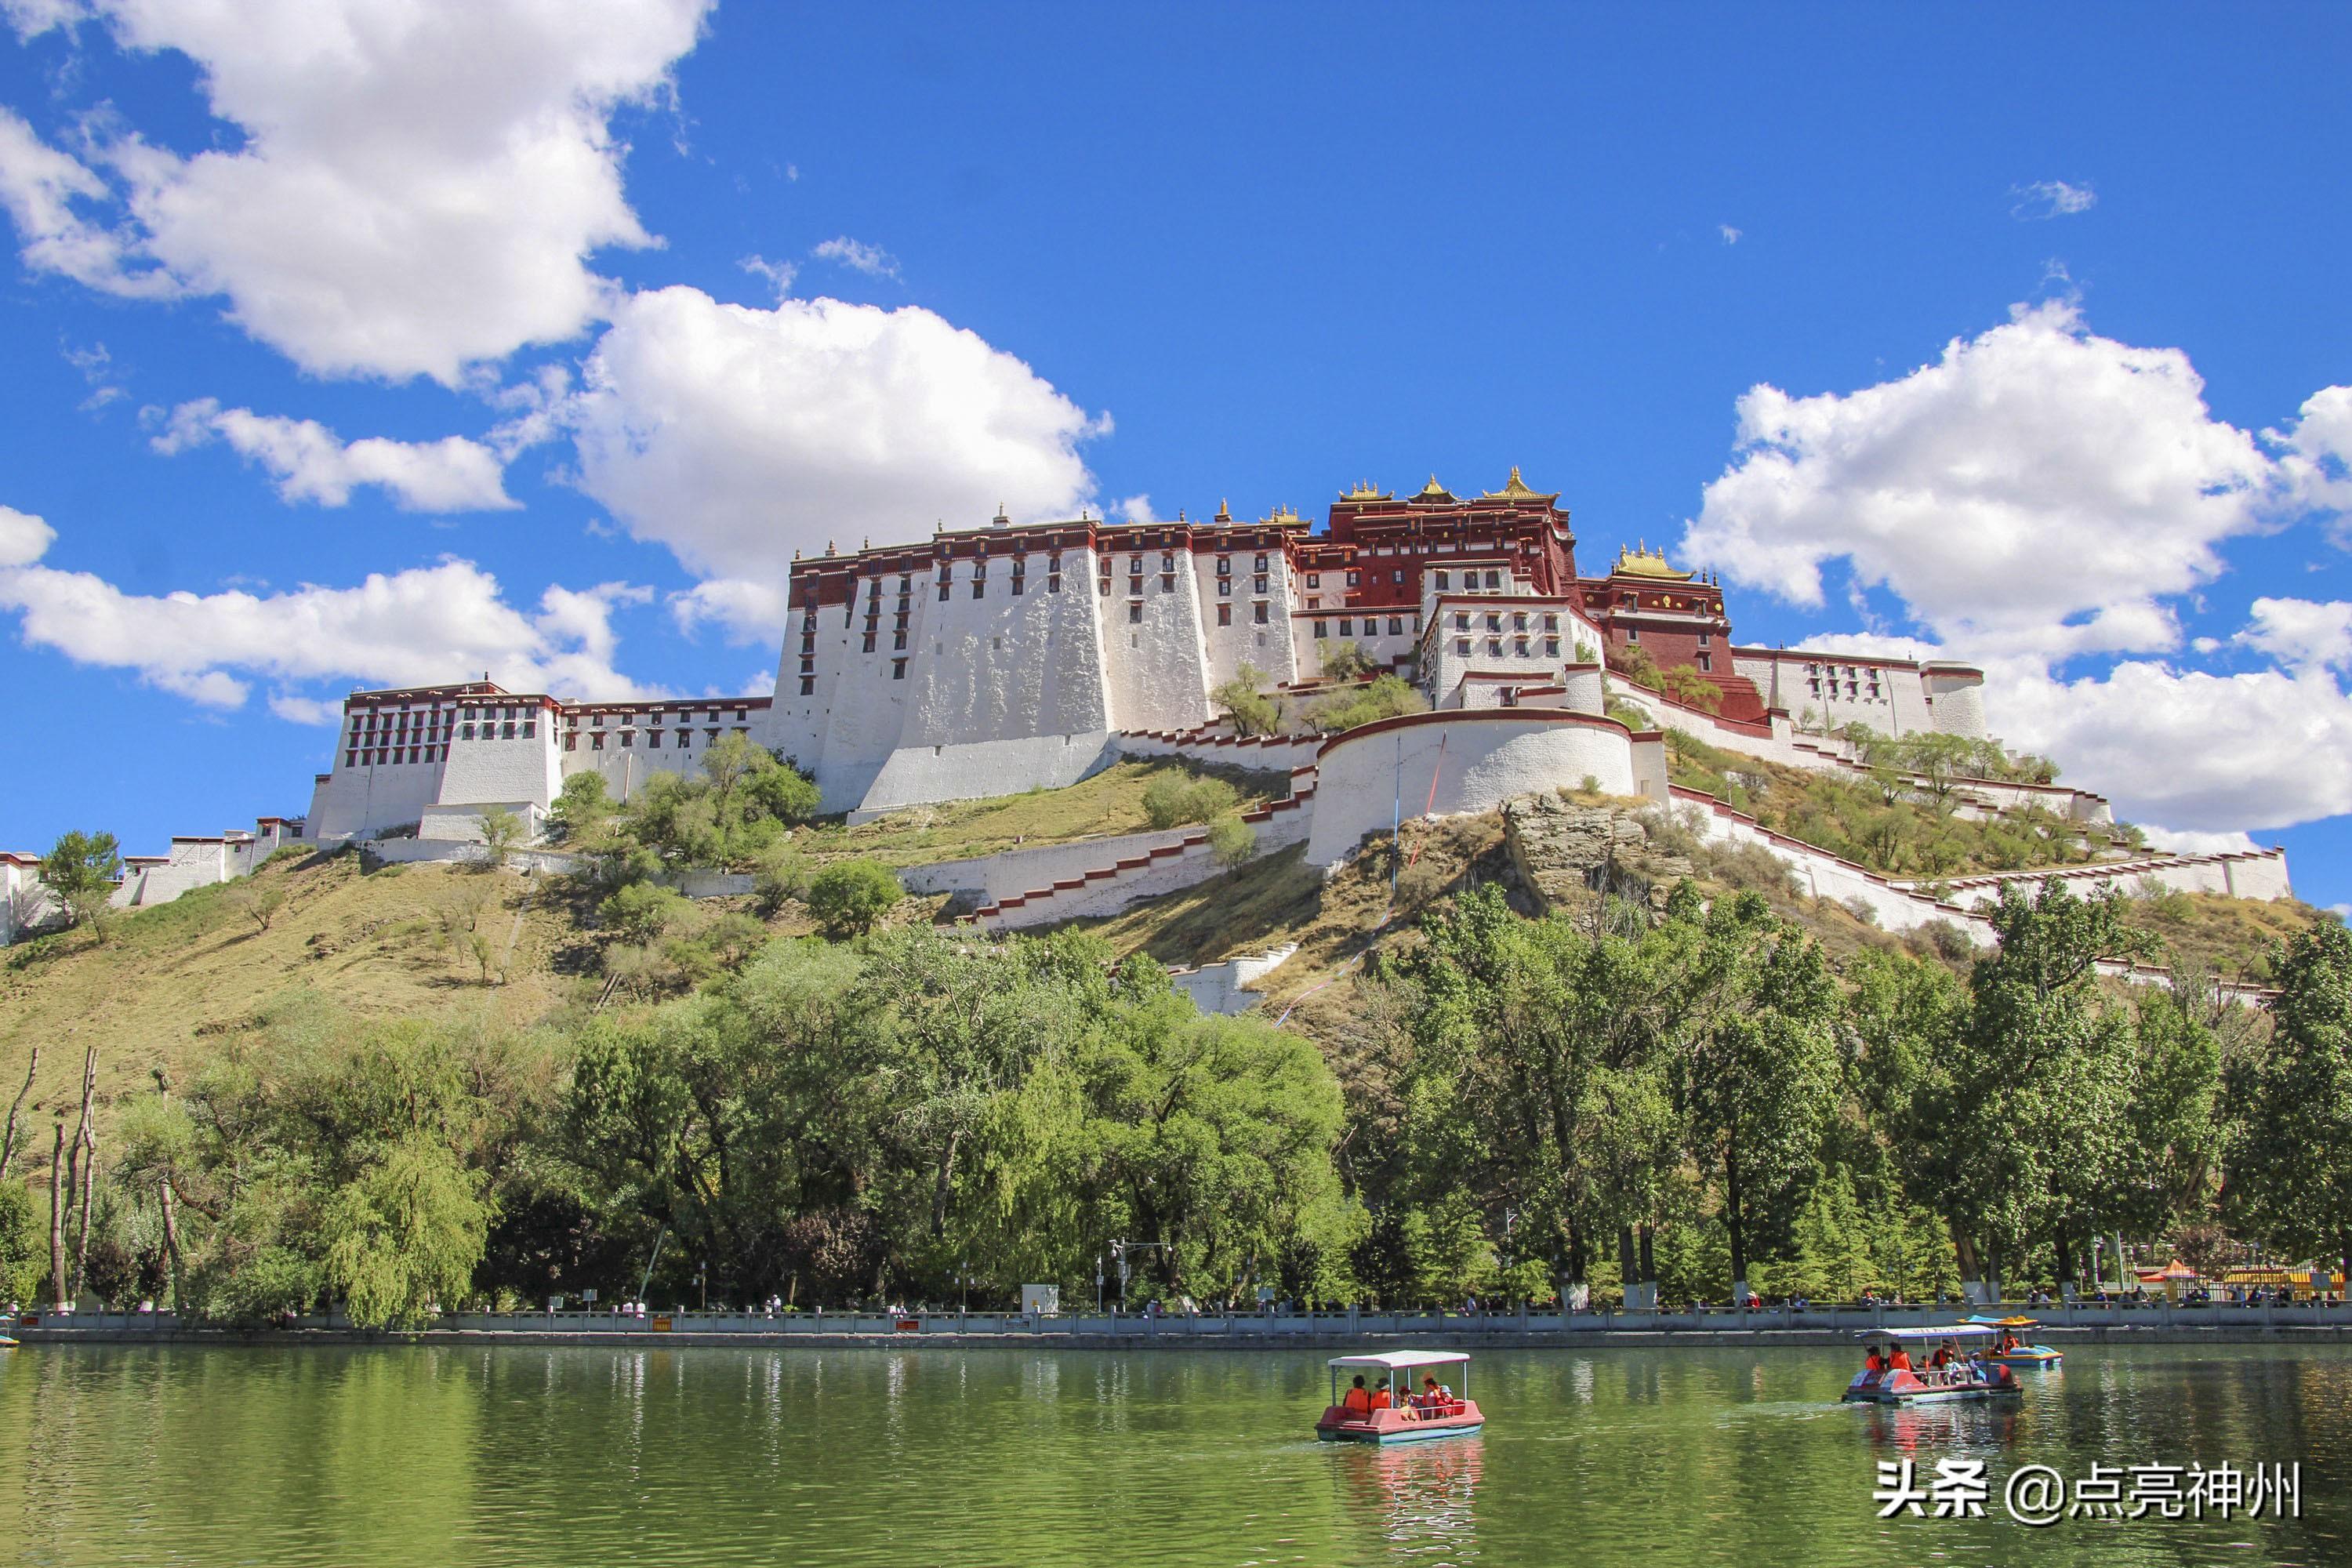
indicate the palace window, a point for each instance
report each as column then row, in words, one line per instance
column 1134, row 583
column 1224, row 565
column 898, row 639
column 1551, row 648
column 1135, row 563
column 1315, row 579
column 1134, row 613
column 979, row 587
column 506, row 731
column 1346, row 627
column 464, row 731
column 1551, row 623
column 943, row 589
column 1633, row 633
column 351, row 759
column 1224, row 614
column 1519, row 646
column 1494, row 647
column 1704, row 637
column 1707, row 662
column 1258, row 613
column 686, row 737
column 1494, row 623
column 1519, row 621
column 1017, row 585
column 1258, row 583
column 1355, row 579
column 808, row 688
column 1224, row 587
column 1168, row 582
column 595, row 742
column 869, row 642
column 898, row 672
column 1396, row 625
column 1462, row 647
column 1396, row 577
column 1444, row 581
column 1260, row 564
column 597, row 720
column 1322, row 628
column 1167, row 560
column 653, row 740
column 1053, row 582
column 1493, row 580
column 1103, row 588
column 1461, row 622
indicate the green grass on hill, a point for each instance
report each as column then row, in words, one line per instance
column 1110, row 803
column 1885, row 826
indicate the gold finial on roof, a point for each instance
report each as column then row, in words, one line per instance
column 1517, row 489
column 1642, row 562
column 1433, row 491
column 1365, row 490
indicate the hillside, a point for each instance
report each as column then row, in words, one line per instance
column 166, row 980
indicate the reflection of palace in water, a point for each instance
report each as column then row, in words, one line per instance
column 1421, row 1495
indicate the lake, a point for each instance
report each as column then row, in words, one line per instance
column 528, row 1456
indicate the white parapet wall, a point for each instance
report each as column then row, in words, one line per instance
column 980, row 770
column 1230, row 987
column 1822, row 875
column 1012, row 872
column 1108, row 887
column 2259, row 874
column 1453, row 760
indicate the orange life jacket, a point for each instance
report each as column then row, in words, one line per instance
column 1358, row 1399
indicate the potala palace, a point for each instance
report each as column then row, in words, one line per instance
column 988, row 660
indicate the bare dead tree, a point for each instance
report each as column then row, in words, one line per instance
column 58, row 1218
column 8, row 1140
column 86, row 1147
column 164, row 1198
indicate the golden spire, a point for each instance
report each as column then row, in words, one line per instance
column 1517, row 489
column 1433, row 491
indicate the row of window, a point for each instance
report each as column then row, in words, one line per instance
column 1521, row 648
column 685, row 716
column 1372, row 625
column 683, row 741
column 1494, row 621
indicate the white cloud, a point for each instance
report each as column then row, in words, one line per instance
column 2195, row 843
column 24, row 538
column 1730, row 235
column 2037, row 489
column 1130, row 509
column 736, row 436
column 418, row 186
column 306, row 709
column 2301, row 633
column 425, row 624
column 311, row 463
column 858, row 257
column 2316, row 452
column 779, row 274
column 2052, row 198
column 38, row 186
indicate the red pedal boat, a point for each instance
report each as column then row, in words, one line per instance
column 1374, row 1409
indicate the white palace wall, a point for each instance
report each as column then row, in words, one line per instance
column 1445, row 763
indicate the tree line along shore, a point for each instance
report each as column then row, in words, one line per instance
column 1625, row 1103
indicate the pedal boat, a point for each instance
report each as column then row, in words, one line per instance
column 1407, row 1418
column 2021, row 1355
column 1963, row 1380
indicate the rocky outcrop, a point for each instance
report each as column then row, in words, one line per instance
column 1569, row 855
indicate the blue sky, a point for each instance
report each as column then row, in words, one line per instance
column 403, row 346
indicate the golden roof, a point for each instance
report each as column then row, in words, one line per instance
column 1642, row 562
column 1517, row 489
column 1366, row 490
column 1435, row 492
column 1282, row 514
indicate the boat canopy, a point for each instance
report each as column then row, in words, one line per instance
column 2007, row 1322
column 1947, row 1331
column 1395, row 1361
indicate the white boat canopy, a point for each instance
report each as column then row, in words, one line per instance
column 1396, row 1360
column 1947, row 1331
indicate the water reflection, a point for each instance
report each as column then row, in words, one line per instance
column 1421, row 1496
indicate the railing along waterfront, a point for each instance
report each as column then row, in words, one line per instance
column 1260, row 1327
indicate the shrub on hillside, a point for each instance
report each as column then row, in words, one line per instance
column 848, row 899
column 1246, row 706
column 1173, row 798
column 1385, row 698
column 640, row 911
column 1232, row 841
column 1346, row 661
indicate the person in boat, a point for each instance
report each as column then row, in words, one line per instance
column 1900, row 1360
column 1360, row 1398
column 1382, row 1399
column 1874, row 1362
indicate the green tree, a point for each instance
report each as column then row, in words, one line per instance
column 1232, row 841
column 2289, row 1160
column 1244, row 703
column 1173, row 798
column 257, row 901
column 24, row 1242
column 1759, row 1071
column 1686, row 685
column 1345, row 660
column 1386, row 696
column 641, row 912
column 82, row 868
column 1633, row 661
column 580, row 807
column 404, row 1236
column 850, row 898
column 501, row 832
